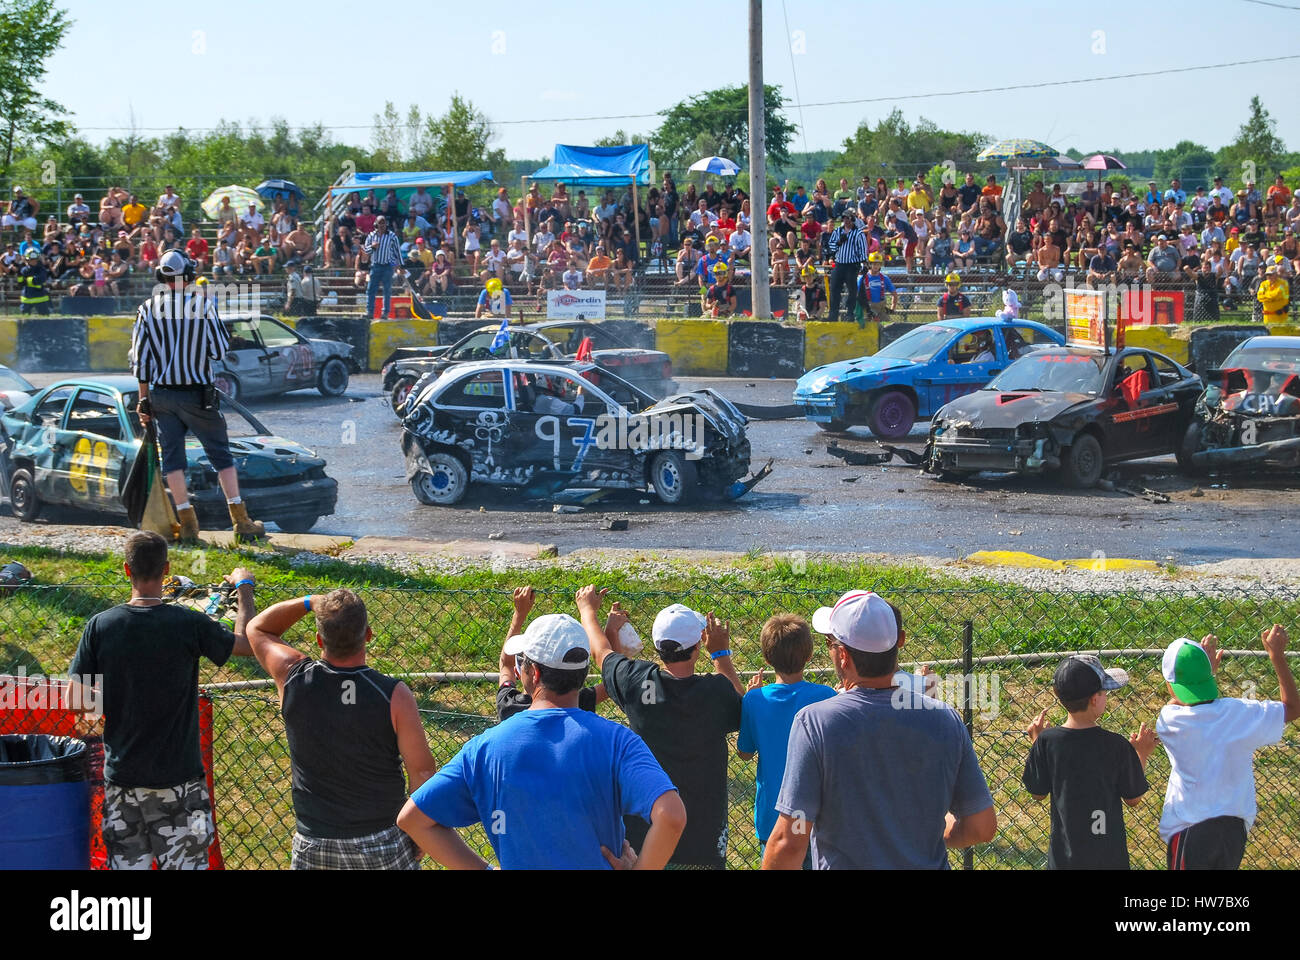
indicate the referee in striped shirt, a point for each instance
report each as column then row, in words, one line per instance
column 177, row 335
column 385, row 251
column 848, row 245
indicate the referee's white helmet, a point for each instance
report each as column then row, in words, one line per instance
column 174, row 265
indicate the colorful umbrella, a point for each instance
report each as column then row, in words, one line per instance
column 1103, row 161
column 1017, row 148
column 719, row 165
column 240, row 198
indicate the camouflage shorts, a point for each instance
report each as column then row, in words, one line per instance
column 172, row 825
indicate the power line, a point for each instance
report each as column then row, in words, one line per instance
column 1265, row 3
column 794, row 77
column 787, row 104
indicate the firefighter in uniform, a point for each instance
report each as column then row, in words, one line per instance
column 33, row 296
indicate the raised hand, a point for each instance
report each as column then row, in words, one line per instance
column 523, row 599
column 755, row 681
column 1037, row 726
column 1144, row 742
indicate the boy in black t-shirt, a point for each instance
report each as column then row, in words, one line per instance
column 1087, row 770
column 684, row 717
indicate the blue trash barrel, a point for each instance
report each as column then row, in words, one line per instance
column 44, row 803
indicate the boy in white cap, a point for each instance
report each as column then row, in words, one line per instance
column 684, row 717
column 881, row 777
column 1211, row 741
column 1086, row 769
column 551, row 784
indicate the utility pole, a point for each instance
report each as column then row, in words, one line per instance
column 759, row 285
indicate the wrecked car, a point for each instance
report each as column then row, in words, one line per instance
column 14, row 389
column 72, row 444
column 909, row 379
column 544, row 427
column 1071, row 411
column 1248, row 417
column 267, row 358
column 551, row 341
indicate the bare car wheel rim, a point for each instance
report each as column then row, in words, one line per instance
column 336, row 376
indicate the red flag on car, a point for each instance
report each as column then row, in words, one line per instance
column 584, row 351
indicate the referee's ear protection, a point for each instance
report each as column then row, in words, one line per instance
column 175, row 264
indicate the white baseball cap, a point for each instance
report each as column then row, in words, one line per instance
column 549, row 638
column 860, row 619
column 678, row 623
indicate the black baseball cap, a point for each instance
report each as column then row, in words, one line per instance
column 1082, row 675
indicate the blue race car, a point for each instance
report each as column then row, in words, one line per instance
column 911, row 378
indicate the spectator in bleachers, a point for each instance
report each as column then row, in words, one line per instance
column 423, row 204
column 782, row 219
column 149, row 253
column 78, row 210
column 1162, row 262
column 740, row 243
column 366, row 219
column 119, row 270
column 21, row 211
column 518, row 261
column 223, row 259
column 495, row 259
column 390, row 206
column 298, row 244
column 472, row 249
column 253, row 220
column 598, row 267
column 265, row 256
column 168, row 198
column 621, row 270
column 439, row 278
column 196, row 248
column 1049, row 257
column 134, row 214
column 688, row 257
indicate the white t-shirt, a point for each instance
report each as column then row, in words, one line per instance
column 1211, row 751
column 740, row 240
column 514, row 235
column 502, row 209
column 495, row 258
column 1224, row 194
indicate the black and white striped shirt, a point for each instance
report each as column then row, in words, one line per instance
column 383, row 247
column 177, row 335
column 848, row 246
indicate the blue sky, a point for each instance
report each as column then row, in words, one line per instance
column 310, row 62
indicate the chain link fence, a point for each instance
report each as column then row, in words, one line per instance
column 993, row 651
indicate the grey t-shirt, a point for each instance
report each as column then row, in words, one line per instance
column 876, row 772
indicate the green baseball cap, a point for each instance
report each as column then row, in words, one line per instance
column 1186, row 666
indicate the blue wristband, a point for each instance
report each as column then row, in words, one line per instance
column 243, row 583
column 720, row 653
column 306, row 602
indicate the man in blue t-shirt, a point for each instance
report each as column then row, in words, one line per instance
column 767, row 712
column 552, row 784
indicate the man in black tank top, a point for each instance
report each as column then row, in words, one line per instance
column 351, row 730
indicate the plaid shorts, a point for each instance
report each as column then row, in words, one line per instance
column 389, row 849
column 172, row 825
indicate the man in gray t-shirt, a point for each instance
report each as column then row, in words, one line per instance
column 880, row 777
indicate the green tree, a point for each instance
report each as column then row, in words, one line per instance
column 1257, row 153
column 894, row 147
column 722, row 117
column 459, row 140
column 30, row 31
column 1190, row 162
column 620, row 138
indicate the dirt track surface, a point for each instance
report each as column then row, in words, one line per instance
column 812, row 501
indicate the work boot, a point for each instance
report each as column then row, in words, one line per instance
column 189, row 525
column 245, row 527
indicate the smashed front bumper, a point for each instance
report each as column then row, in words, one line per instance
column 1276, row 453
column 1008, row 451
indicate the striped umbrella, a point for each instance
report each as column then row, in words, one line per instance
column 1017, row 148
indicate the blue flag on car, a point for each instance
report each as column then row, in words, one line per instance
column 503, row 335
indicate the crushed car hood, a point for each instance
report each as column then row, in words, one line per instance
column 720, row 413
column 825, row 378
column 261, row 456
column 1000, row 409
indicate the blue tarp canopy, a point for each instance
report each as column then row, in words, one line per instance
column 601, row 166
column 409, row 180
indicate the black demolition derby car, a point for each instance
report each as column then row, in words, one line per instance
column 1072, row 410
column 552, row 341
column 1248, row 418
column 541, row 427
column 73, row 443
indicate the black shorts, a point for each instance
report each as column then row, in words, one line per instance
column 178, row 411
column 1215, row 844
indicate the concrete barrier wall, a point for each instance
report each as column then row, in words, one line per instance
column 698, row 347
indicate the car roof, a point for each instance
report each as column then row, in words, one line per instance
column 520, row 366
column 978, row 323
column 1266, row 342
column 120, row 383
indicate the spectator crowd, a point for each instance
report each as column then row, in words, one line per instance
column 873, row 772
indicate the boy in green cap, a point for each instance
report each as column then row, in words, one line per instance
column 1211, row 741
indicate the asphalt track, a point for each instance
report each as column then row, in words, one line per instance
column 812, row 502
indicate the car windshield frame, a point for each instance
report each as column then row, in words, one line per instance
column 1052, row 368
column 926, row 334
column 128, row 401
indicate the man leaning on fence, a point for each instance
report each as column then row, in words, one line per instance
column 877, row 777
column 145, row 654
column 350, row 729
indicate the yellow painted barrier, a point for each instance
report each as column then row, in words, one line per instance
column 1285, row 329
column 9, row 341
column 1159, row 340
column 1014, row 558
column 826, row 342
column 108, row 341
column 387, row 335
column 697, row 347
